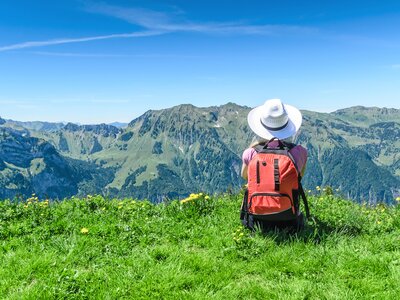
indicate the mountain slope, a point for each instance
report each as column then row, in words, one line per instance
column 30, row 165
column 34, row 125
column 175, row 151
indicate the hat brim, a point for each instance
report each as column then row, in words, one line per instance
column 293, row 125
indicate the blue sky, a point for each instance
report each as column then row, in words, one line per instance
column 103, row 61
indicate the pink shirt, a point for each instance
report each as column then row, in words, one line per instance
column 298, row 152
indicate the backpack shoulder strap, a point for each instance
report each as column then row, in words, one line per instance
column 282, row 147
column 259, row 148
column 288, row 145
column 303, row 196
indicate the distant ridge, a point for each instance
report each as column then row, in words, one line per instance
column 35, row 125
column 170, row 153
column 118, row 124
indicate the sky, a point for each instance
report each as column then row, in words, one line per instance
column 104, row 61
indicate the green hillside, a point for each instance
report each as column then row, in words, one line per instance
column 167, row 153
column 195, row 249
column 32, row 165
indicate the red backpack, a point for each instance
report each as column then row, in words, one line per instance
column 274, row 187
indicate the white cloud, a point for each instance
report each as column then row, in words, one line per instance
column 158, row 23
column 169, row 22
column 32, row 44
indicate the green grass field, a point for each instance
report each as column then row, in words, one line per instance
column 96, row 248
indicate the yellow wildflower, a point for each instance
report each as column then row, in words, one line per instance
column 398, row 199
column 207, row 197
column 84, row 230
column 318, row 188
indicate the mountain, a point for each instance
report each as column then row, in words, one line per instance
column 30, row 165
column 81, row 141
column 183, row 149
column 34, row 125
column 119, row 124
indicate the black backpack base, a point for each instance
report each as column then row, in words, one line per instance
column 253, row 223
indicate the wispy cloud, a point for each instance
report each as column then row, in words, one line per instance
column 173, row 22
column 32, row 44
column 158, row 23
column 395, row 66
column 107, row 55
column 75, row 54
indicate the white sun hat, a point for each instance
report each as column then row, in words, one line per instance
column 274, row 119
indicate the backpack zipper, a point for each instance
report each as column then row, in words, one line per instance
column 258, row 172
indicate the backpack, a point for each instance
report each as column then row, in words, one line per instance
column 274, row 189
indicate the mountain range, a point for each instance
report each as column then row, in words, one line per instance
column 172, row 152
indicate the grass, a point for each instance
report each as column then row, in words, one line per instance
column 124, row 249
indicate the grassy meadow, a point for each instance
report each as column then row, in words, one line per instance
column 97, row 248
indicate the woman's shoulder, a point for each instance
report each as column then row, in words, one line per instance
column 248, row 155
column 300, row 155
column 249, row 151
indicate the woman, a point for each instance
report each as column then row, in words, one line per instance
column 274, row 182
column 274, row 119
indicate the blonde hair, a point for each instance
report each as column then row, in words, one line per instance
column 257, row 141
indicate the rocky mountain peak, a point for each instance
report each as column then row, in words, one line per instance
column 101, row 129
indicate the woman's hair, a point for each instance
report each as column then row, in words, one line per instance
column 257, row 141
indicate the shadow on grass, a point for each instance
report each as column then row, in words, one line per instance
column 315, row 231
